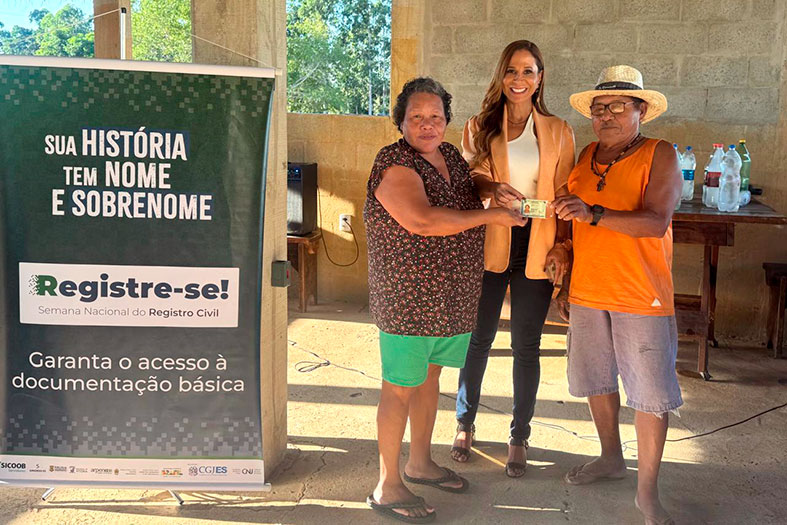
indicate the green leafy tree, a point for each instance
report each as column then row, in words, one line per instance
column 312, row 57
column 18, row 41
column 161, row 30
column 338, row 56
column 68, row 32
column 365, row 35
column 36, row 15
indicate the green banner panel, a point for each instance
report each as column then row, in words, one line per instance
column 131, row 208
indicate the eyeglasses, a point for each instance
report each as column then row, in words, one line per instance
column 616, row 108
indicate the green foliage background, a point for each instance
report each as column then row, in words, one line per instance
column 161, row 32
column 339, row 56
column 66, row 33
column 338, row 51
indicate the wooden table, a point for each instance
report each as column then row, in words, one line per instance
column 694, row 223
column 302, row 254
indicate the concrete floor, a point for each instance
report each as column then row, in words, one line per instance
column 735, row 476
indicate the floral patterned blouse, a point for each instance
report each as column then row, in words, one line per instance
column 424, row 286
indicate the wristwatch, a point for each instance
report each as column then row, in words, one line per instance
column 598, row 212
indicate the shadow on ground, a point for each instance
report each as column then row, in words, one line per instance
column 733, row 476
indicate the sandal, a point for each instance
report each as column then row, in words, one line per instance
column 514, row 469
column 578, row 476
column 437, row 483
column 667, row 520
column 462, row 454
column 388, row 510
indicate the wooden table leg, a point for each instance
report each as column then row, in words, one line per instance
column 302, row 254
column 773, row 302
column 778, row 339
column 702, row 359
column 302, row 263
column 705, row 301
column 310, row 272
column 714, row 267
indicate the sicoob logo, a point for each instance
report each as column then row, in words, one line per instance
column 90, row 290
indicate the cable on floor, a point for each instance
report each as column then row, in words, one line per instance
column 310, row 366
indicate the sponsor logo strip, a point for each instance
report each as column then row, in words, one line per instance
column 184, row 471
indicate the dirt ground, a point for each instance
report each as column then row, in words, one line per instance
column 734, row 476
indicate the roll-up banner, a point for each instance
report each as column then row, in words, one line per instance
column 131, row 208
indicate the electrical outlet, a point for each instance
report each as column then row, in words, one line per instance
column 344, row 222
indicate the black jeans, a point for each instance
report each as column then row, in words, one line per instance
column 530, row 300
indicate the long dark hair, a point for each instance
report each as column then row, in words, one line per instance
column 489, row 120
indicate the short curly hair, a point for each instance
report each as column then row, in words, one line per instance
column 420, row 85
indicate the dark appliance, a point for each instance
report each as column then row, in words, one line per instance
column 301, row 198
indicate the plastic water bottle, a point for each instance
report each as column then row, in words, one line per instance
column 730, row 182
column 705, row 179
column 710, row 189
column 688, row 165
column 680, row 163
column 746, row 166
column 745, row 198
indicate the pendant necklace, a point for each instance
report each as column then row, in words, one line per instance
column 602, row 181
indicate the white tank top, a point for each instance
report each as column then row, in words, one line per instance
column 523, row 161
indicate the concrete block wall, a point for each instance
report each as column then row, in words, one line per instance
column 722, row 65
column 720, row 61
column 344, row 147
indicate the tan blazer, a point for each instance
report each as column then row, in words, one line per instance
column 556, row 159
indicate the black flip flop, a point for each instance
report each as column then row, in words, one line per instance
column 388, row 510
column 450, row 475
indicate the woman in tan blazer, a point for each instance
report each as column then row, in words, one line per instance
column 516, row 150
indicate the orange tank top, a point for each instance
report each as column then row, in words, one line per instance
column 614, row 271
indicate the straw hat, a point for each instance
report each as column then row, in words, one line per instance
column 621, row 80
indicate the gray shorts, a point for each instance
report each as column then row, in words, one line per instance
column 642, row 348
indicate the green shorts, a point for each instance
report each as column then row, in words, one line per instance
column 406, row 358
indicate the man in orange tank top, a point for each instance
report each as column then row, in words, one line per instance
column 623, row 191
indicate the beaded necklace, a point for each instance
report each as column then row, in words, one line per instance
column 602, row 181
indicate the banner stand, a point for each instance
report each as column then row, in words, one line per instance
column 172, row 493
column 131, row 220
column 175, row 494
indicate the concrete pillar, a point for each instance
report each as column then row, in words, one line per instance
column 107, row 28
column 407, row 37
column 781, row 159
column 257, row 29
